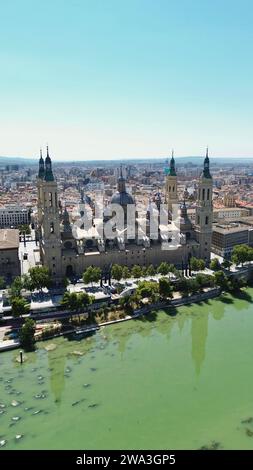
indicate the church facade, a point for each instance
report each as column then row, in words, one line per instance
column 67, row 249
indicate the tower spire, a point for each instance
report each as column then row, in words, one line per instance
column 48, row 165
column 172, row 170
column 41, row 166
column 206, row 170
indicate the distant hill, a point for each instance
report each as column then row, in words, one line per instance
column 234, row 161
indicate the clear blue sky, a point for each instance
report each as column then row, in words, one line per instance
column 126, row 78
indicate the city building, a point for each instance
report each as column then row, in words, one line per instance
column 227, row 235
column 9, row 259
column 12, row 215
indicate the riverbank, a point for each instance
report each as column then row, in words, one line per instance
column 177, row 302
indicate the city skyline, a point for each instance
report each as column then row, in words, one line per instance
column 126, row 79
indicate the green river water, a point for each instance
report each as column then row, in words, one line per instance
column 180, row 381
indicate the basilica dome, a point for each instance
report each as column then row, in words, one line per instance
column 122, row 198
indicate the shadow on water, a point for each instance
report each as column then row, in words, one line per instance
column 226, row 300
column 242, row 295
column 148, row 317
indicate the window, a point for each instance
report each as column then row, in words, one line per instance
column 206, row 220
column 50, row 197
column 53, row 265
column 198, row 220
column 208, row 194
column 51, row 227
column 203, row 194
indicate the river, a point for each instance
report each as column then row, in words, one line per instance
column 180, row 379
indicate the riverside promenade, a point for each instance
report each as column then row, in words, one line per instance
column 176, row 302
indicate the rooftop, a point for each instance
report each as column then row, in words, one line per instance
column 9, row 238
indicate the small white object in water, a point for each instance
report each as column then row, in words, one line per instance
column 15, row 418
column 18, row 436
column 2, row 442
column 77, row 353
column 50, row 347
column 15, row 403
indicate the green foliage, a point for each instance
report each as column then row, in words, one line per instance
column 165, row 288
column 75, row 302
column 136, row 271
column 2, row 282
column 226, row 264
column 148, row 289
column 19, row 306
column 235, row 284
column 25, row 229
column 26, row 335
column 16, row 287
column 125, row 273
column 127, row 304
column 220, row 280
column 91, row 274
column 215, row 264
column 39, row 277
column 163, row 268
column 197, row 264
column 241, row 254
column 205, row 280
column 150, row 271
column 117, row 272
column 65, row 282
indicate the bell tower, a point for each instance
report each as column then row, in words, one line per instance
column 171, row 185
column 50, row 224
column 204, row 212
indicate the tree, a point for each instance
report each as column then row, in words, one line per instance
column 91, row 274
column 150, row 270
column 117, row 272
column 215, row 264
column 125, row 273
column 39, row 277
column 163, row 268
column 26, row 335
column 165, row 288
column 136, row 271
column 241, row 254
column 76, row 302
column 226, row 264
column 220, row 280
column 183, row 286
column 19, row 307
column 205, row 280
column 2, row 282
column 65, row 282
column 148, row 289
column 16, row 287
column 197, row 264
column 25, row 229
column 127, row 303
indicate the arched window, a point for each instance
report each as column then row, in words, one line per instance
column 51, row 227
column 203, row 194
column 206, row 220
column 198, row 220
column 169, row 189
column 50, row 199
column 208, row 194
column 173, row 189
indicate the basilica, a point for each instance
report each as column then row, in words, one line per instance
column 160, row 233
